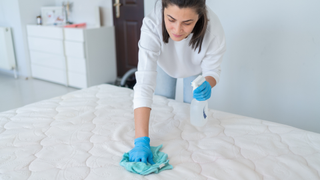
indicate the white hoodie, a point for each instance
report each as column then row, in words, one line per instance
column 176, row 58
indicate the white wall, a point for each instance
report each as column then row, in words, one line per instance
column 10, row 17
column 84, row 11
column 148, row 6
column 271, row 69
column 17, row 14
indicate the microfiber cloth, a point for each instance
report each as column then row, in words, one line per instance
column 159, row 158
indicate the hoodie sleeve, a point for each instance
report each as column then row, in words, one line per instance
column 149, row 49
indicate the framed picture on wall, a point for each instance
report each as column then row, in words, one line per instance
column 53, row 15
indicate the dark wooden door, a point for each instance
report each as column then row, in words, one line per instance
column 127, row 30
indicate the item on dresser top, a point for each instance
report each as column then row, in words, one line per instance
column 53, row 15
column 67, row 8
column 39, row 20
column 79, row 25
column 160, row 159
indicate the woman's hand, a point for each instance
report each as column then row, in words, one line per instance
column 141, row 152
column 203, row 92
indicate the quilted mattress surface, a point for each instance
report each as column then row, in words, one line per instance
column 83, row 135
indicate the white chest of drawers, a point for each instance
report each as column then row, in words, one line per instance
column 77, row 57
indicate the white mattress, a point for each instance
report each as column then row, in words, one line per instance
column 83, row 135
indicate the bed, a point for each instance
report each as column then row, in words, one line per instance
column 83, row 135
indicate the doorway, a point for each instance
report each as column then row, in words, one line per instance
column 127, row 19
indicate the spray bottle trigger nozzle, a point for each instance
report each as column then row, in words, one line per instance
column 197, row 82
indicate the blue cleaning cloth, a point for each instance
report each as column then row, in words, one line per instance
column 159, row 158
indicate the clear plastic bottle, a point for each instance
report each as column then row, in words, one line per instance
column 198, row 109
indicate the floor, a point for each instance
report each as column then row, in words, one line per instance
column 15, row 93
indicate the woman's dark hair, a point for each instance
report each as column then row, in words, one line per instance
column 199, row 29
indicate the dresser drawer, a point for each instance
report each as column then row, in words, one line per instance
column 48, row 60
column 46, row 45
column 52, row 32
column 77, row 65
column 74, row 49
column 77, row 80
column 49, row 74
column 74, row 34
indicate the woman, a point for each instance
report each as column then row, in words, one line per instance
column 179, row 39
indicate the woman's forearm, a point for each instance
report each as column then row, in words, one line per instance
column 141, row 121
column 211, row 81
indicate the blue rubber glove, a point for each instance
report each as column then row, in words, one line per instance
column 203, row 92
column 141, row 152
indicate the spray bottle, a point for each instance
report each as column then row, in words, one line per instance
column 198, row 109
